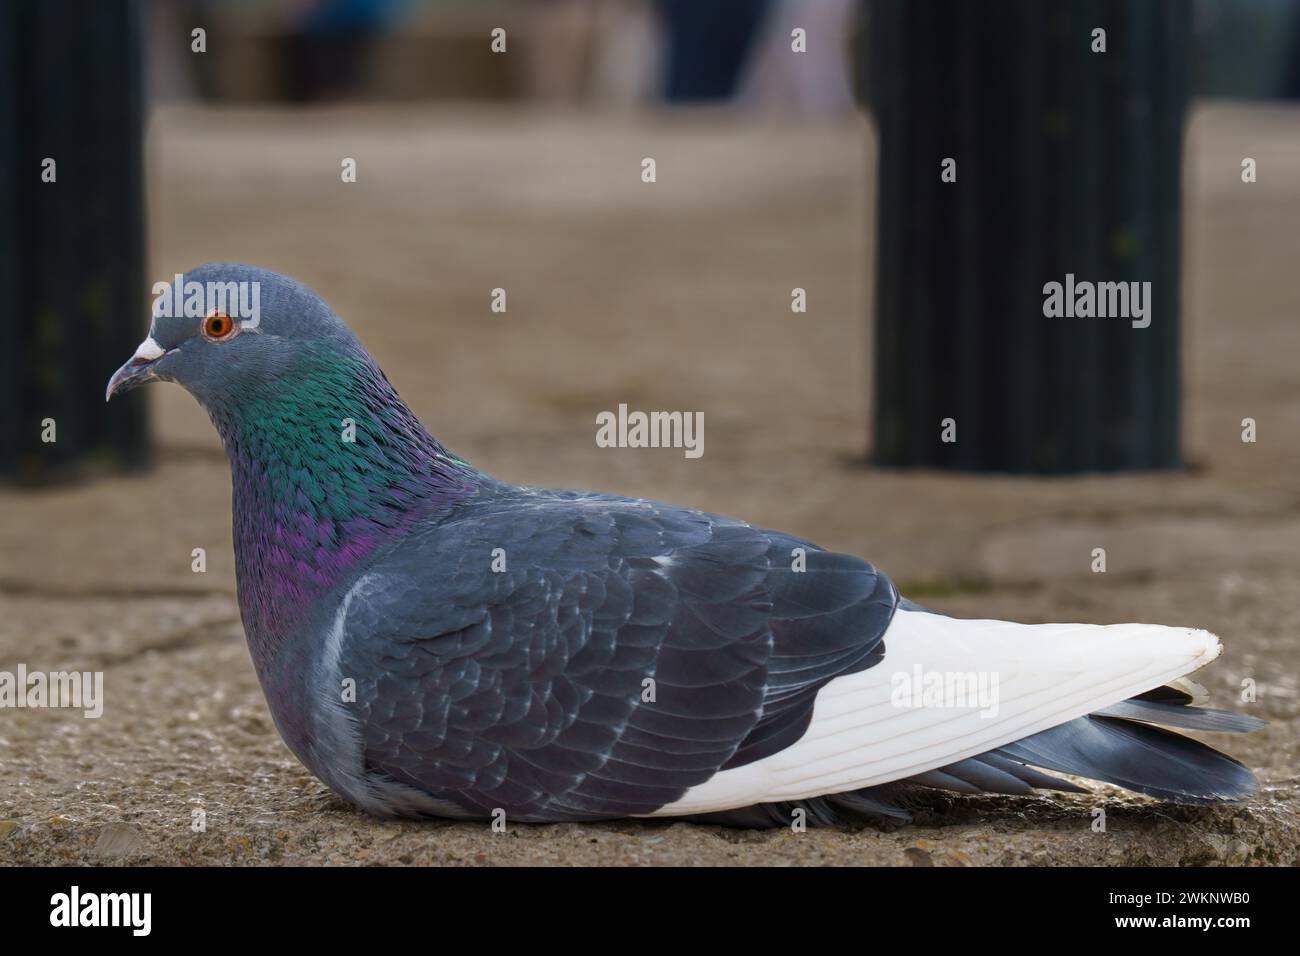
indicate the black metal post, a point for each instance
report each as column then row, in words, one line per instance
column 71, row 249
column 1068, row 163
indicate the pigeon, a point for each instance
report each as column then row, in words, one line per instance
column 435, row 642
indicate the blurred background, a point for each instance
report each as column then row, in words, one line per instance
column 797, row 146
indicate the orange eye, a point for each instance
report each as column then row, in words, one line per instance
column 218, row 325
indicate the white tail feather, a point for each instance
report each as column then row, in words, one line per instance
column 871, row 727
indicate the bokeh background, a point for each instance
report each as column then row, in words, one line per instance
column 522, row 170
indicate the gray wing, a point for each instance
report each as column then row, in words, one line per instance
column 627, row 652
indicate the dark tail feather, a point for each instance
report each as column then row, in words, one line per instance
column 993, row 772
column 1178, row 715
column 1138, row 757
column 886, row 803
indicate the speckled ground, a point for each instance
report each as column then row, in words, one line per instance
column 667, row 296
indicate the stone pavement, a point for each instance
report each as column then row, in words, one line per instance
column 671, row 296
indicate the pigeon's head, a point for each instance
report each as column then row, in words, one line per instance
column 229, row 331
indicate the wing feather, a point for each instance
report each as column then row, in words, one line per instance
column 630, row 652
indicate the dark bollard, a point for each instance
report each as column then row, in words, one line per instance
column 71, row 250
column 1068, row 164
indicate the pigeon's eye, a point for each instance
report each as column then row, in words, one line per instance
column 218, row 326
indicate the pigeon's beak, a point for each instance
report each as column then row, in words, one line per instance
column 139, row 368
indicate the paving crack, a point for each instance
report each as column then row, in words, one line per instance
column 16, row 587
column 190, row 637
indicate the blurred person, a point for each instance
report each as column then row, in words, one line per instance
column 330, row 45
column 628, row 54
column 708, row 45
column 814, row 82
column 559, row 60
